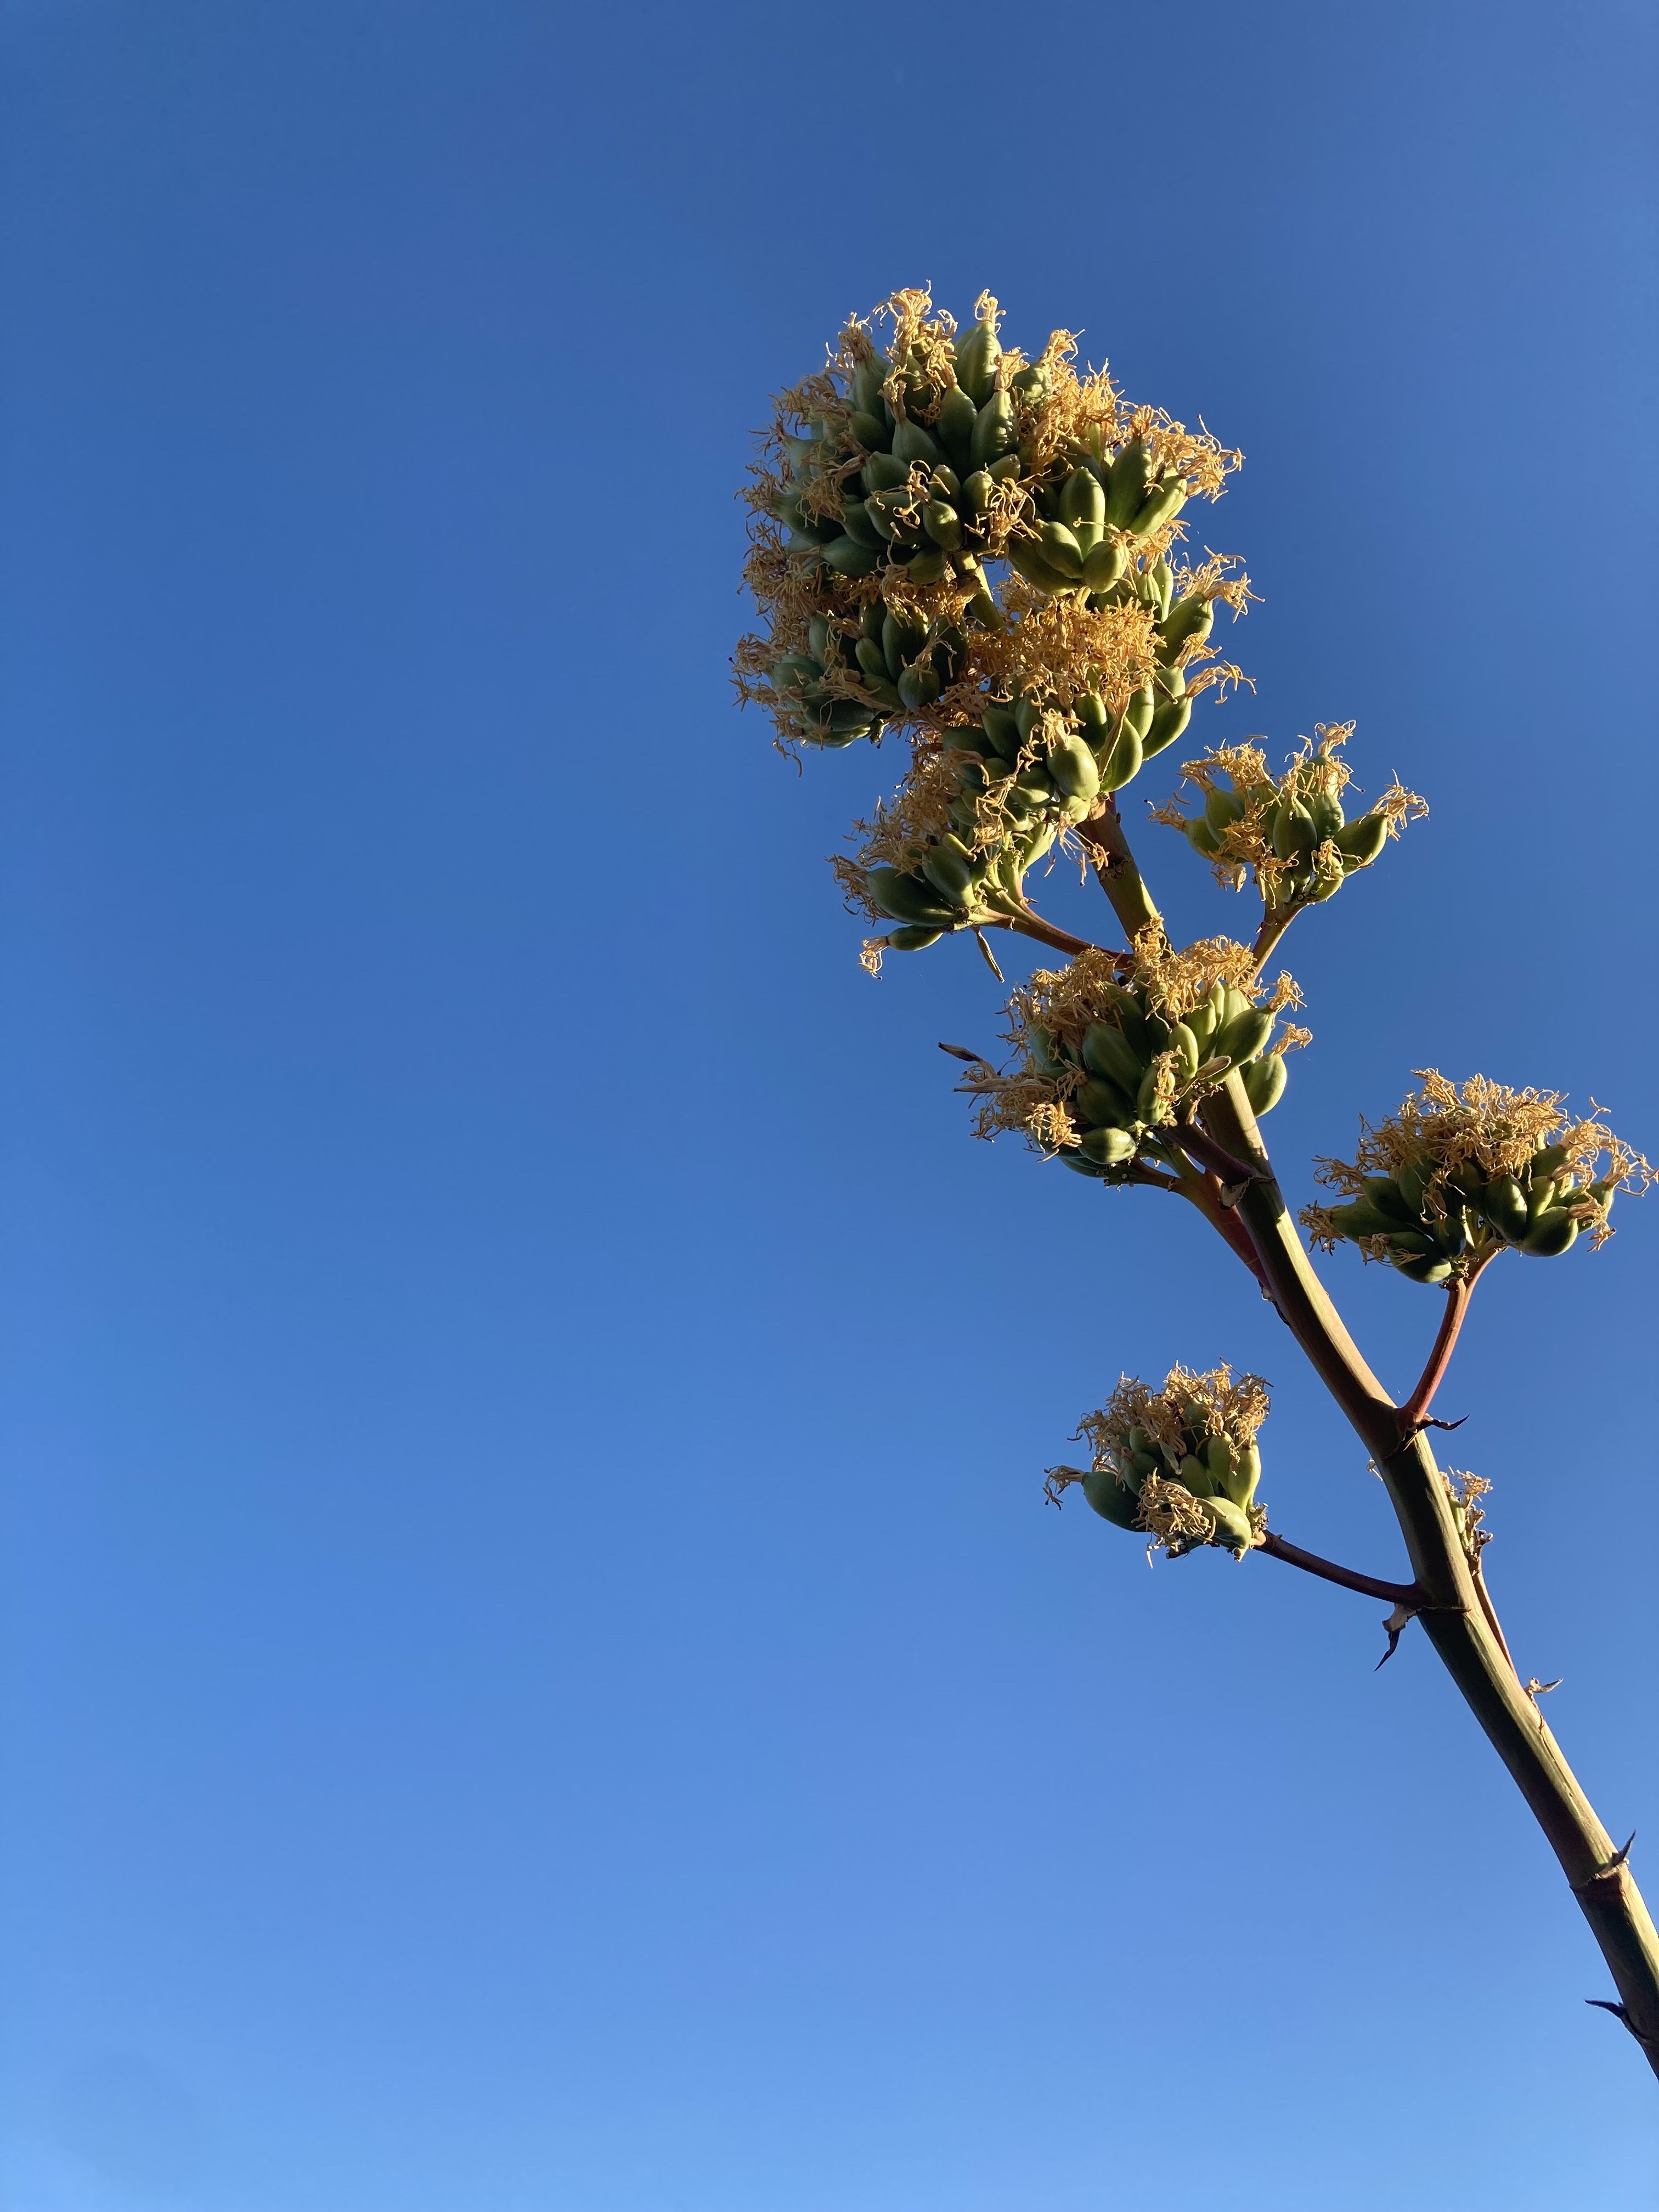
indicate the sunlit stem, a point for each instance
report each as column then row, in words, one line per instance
column 1448, row 1591
column 1114, row 869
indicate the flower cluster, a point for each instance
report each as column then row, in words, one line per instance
column 1116, row 1048
column 1181, row 1463
column 1459, row 1174
column 939, row 522
column 1291, row 831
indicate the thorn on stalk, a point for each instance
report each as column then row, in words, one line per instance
column 1607, row 2004
column 1431, row 1421
column 1620, row 1858
column 1535, row 1689
column 1396, row 1624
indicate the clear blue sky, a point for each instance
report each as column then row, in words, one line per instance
column 537, row 1674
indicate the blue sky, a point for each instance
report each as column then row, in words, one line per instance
column 537, row 1674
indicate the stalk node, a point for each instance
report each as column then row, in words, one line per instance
column 1613, row 1866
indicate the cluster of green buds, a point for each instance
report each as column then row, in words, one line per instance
column 943, row 854
column 897, row 483
column 1081, row 535
column 986, row 796
column 1290, row 832
column 921, row 460
column 896, row 662
column 1109, row 1061
column 1180, row 1464
column 1135, row 1072
column 1458, row 1175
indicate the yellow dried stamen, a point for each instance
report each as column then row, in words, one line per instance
column 1068, row 417
column 1175, row 1521
column 1059, row 647
column 1051, row 1126
column 1464, row 1493
column 917, row 815
column 1444, row 1128
column 1063, row 1002
column 1211, row 1401
column 1242, row 846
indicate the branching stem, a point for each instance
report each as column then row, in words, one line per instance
column 1031, row 924
column 1155, row 1179
column 1205, row 1193
column 1203, row 1147
column 1456, row 1613
column 1276, row 1547
column 1414, row 1412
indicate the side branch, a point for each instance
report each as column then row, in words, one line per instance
column 1208, row 1195
column 1328, row 1571
column 1203, row 1148
column 1031, row 924
column 1414, row 1412
column 1276, row 920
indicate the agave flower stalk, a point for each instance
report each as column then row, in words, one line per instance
column 983, row 557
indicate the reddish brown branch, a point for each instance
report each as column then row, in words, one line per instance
column 1030, row 924
column 1204, row 1148
column 1155, row 1179
column 1328, row 1571
column 1414, row 1412
column 1487, row 1607
column 1205, row 1195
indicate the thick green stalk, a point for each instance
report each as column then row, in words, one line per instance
column 1451, row 1609
column 1115, row 867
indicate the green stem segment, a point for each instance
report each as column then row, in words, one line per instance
column 1115, row 867
column 1276, row 920
column 1454, row 1617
